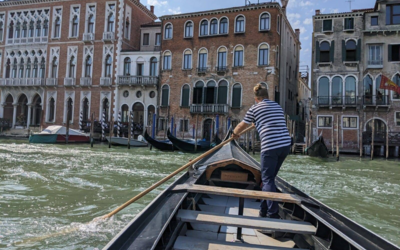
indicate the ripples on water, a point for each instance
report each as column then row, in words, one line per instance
column 47, row 188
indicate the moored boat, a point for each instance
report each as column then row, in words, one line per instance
column 318, row 148
column 160, row 145
column 189, row 145
column 216, row 203
column 122, row 141
column 57, row 134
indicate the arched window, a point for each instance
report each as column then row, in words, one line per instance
column 223, row 26
column 24, row 29
column 52, row 108
column 28, row 68
column 236, row 95
column 38, row 28
column 382, row 97
column 238, row 56
column 350, row 91
column 264, row 21
column 88, row 66
column 153, row 66
column 127, row 66
column 165, row 96
column 72, row 65
column 211, row 93
column 54, row 68
column 57, row 27
column 323, row 91
column 368, row 90
column 21, row 69
column 337, row 90
column 127, row 28
column 45, row 28
column 1, row 30
column 202, row 60
column 35, row 70
column 189, row 29
column 85, row 109
column 396, row 79
column 351, row 51
column 42, row 68
column 239, row 24
column 14, row 69
column 168, row 31
column 11, row 30
column 185, row 96
column 125, row 113
column 75, row 25
column 107, row 66
column 69, row 110
column 31, row 30
column 187, row 59
column 223, row 92
column 214, row 27
column 222, row 53
column 263, row 55
column 110, row 23
column 105, row 108
column 198, row 93
column 18, row 30
column 90, row 25
column 324, row 52
column 204, row 28
column 8, row 68
column 167, row 60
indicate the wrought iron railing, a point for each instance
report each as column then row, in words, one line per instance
column 373, row 100
column 209, row 108
column 201, row 70
column 375, row 62
column 221, row 69
column 337, row 100
column 138, row 80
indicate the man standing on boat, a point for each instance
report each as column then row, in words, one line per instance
column 269, row 118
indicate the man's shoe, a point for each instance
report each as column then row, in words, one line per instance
column 262, row 214
column 273, row 216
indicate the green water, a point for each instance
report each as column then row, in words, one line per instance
column 46, row 189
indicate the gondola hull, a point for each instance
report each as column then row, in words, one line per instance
column 189, row 146
column 160, row 145
column 120, row 141
column 318, row 149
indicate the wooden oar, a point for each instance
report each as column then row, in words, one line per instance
column 137, row 197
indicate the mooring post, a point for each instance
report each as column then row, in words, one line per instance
column 306, row 142
column 129, row 130
column 195, row 138
column 111, row 131
column 333, row 137
column 361, row 140
column 372, row 139
column 67, row 132
column 294, row 137
column 337, row 138
column 387, row 140
column 91, row 131
column 153, row 127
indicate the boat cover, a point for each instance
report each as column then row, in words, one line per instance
column 60, row 130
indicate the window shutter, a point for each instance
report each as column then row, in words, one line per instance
column 222, row 95
column 332, row 52
column 390, row 53
column 165, row 94
column 359, row 50
column 317, row 52
column 215, row 94
column 343, row 50
column 185, row 97
column 236, row 97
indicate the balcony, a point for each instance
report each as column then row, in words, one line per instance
column 138, row 80
column 337, row 101
column 69, row 82
column 27, row 40
column 51, row 81
column 22, row 82
column 105, row 81
column 108, row 36
column 376, row 100
column 209, row 108
column 375, row 64
column 86, row 81
column 202, row 70
column 88, row 37
column 221, row 69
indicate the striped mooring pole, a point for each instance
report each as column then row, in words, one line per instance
column 81, row 121
column 132, row 125
column 103, row 127
column 119, row 125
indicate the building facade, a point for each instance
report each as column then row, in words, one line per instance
column 58, row 58
column 351, row 53
column 210, row 62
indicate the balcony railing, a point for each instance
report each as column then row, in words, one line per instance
column 374, row 100
column 88, row 37
column 337, row 100
column 86, row 81
column 105, row 81
column 29, row 40
column 22, row 82
column 138, row 80
column 221, row 69
column 202, row 70
column 69, row 81
column 375, row 63
column 52, row 81
column 108, row 36
column 209, row 108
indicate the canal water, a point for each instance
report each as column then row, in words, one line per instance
column 46, row 189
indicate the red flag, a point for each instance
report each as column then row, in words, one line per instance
column 386, row 83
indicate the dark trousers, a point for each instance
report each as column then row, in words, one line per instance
column 271, row 162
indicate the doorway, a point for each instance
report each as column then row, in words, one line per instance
column 208, row 129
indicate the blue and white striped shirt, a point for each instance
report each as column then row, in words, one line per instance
column 270, row 121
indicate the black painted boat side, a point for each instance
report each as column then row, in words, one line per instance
column 318, row 148
column 163, row 146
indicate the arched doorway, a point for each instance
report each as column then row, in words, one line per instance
column 36, row 111
column 208, row 129
column 9, row 109
column 151, row 110
column 22, row 111
column 105, row 108
column 379, row 128
column 138, row 117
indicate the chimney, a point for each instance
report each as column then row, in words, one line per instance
column 152, row 8
column 297, row 33
column 317, row 12
column 284, row 5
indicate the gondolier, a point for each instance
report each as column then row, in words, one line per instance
column 269, row 119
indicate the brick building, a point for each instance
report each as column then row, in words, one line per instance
column 62, row 55
column 351, row 52
column 211, row 60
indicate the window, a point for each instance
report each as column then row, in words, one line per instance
column 238, row 57
column 28, row 69
column 393, row 14
column 51, row 110
column 327, row 26
column 198, row 93
column 210, row 93
column 221, row 64
column 57, row 28
column 158, row 39
column 127, row 28
column 350, row 122
column 1, row 30
column 204, row 28
column 374, row 21
column 146, row 39
column 167, row 60
column 189, row 29
column 239, row 24
column 337, row 90
column 153, row 66
column 75, row 25
column 375, row 55
column 125, row 113
column 277, row 57
column 90, row 24
column 397, row 119
column 222, row 92
column 368, row 89
column 223, row 26
column 31, row 29
column 350, row 91
column 325, row 49
column 278, row 26
column 236, row 95
column 54, row 68
column 396, row 79
column 202, row 60
column 349, row 24
column 21, row 69
column 110, row 22
column 351, row 51
column 107, row 66
column 35, row 68
column 139, row 94
column 325, row 121
column 85, row 110
column 69, row 109
column 185, row 96
column 24, row 29
column 127, row 66
column 264, row 22
column 214, row 27
column 38, row 29
column 168, row 31
column 187, row 59
column 42, row 68
column 165, row 96
column 394, row 53
column 184, row 125
column 323, row 91
column 88, row 66
column 263, row 55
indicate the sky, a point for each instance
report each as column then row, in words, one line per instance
column 300, row 13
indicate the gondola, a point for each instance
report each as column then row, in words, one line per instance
column 189, row 145
column 122, row 141
column 318, row 148
column 215, row 206
column 160, row 145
